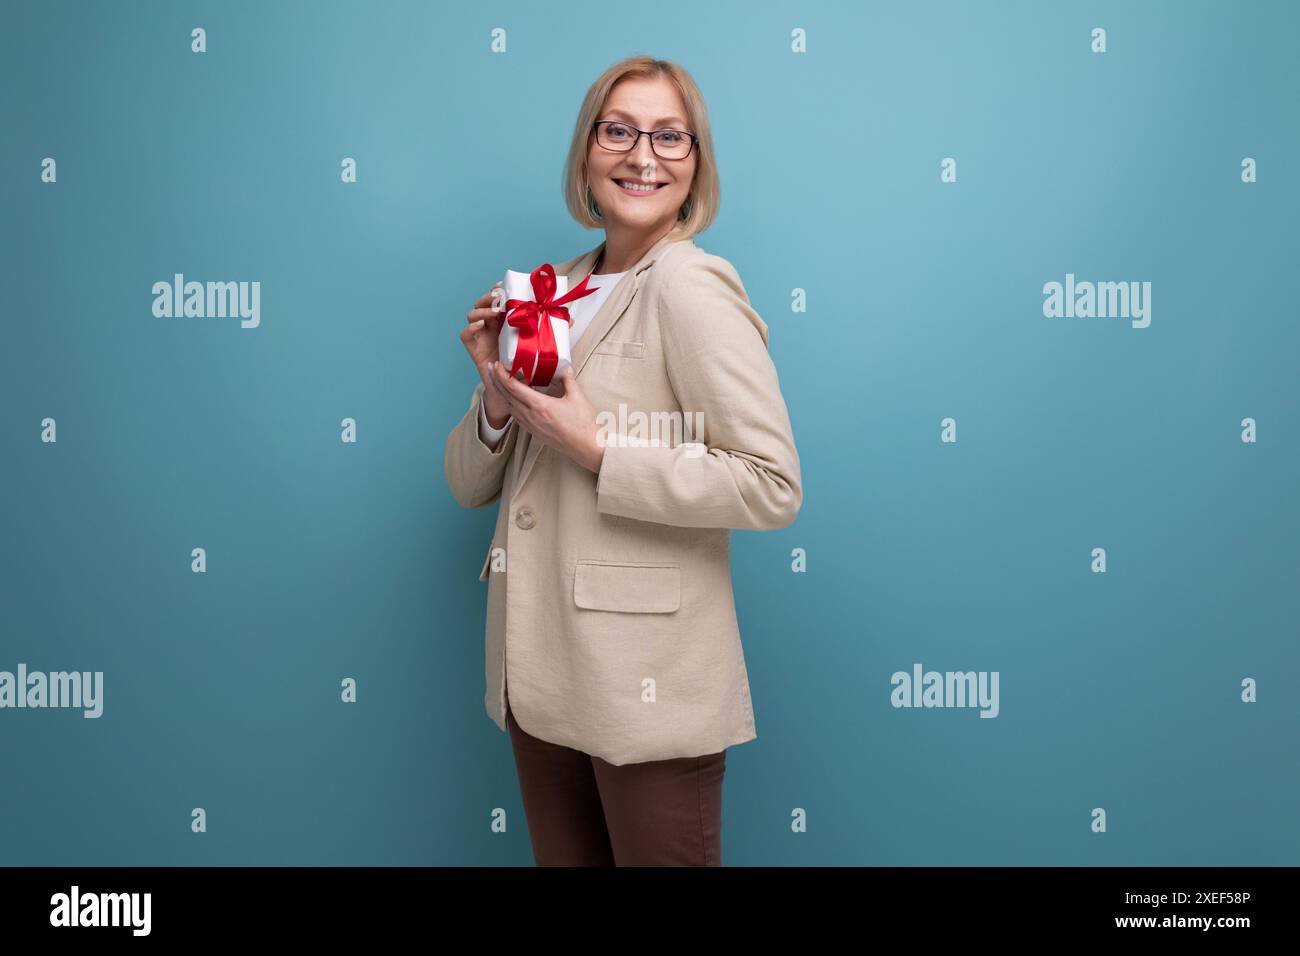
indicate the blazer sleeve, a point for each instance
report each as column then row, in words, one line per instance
column 715, row 349
column 474, row 471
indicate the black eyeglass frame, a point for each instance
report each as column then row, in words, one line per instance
column 641, row 132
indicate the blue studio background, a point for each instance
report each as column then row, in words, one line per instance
column 1119, row 690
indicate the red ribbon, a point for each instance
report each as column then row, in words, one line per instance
column 532, row 319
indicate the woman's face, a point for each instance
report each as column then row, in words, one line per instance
column 648, row 104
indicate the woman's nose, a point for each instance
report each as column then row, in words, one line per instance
column 642, row 155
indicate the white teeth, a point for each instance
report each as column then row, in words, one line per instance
column 640, row 187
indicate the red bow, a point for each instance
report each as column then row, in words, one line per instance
column 532, row 319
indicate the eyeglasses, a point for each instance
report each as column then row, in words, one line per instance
column 666, row 143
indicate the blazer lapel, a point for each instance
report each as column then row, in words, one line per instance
column 610, row 311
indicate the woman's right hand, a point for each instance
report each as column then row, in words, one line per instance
column 480, row 340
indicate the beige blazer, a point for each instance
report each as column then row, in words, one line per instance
column 611, row 624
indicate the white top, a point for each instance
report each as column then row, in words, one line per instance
column 581, row 312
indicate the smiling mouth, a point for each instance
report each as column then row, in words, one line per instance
column 635, row 186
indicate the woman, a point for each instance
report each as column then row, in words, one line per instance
column 613, row 655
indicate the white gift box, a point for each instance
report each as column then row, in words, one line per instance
column 519, row 285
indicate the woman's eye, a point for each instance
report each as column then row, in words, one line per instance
column 668, row 136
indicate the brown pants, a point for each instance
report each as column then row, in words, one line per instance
column 583, row 811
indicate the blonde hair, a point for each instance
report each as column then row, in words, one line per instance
column 701, row 206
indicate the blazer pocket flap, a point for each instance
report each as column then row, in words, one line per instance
column 623, row 349
column 636, row 587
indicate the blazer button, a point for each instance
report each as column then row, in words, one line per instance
column 525, row 519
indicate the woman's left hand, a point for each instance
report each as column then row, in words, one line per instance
column 567, row 423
